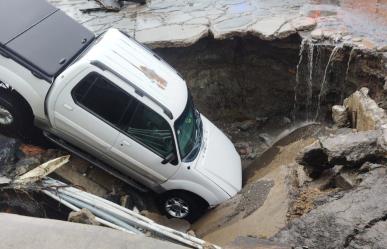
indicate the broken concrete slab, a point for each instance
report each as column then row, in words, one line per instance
column 364, row 111
column 166, row 23
column 344, row 219
column 182, row 35
column 350, row 150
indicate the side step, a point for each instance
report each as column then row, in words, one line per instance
column 95, row 162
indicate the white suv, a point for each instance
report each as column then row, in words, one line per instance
column 115, row 103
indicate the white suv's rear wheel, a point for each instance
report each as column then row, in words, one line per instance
column 6, row 117
column 16, row 118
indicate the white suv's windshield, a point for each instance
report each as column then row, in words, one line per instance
column 189, row 132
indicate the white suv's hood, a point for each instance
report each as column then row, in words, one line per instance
column 219, row 161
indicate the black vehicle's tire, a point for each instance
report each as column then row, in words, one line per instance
column 16, row 118
column 182, row 205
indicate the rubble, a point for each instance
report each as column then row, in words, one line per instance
column 346, row 220
column 364, row 111
column 8, row 149
column 340, row 116
column 350, row 150
column 83, row 216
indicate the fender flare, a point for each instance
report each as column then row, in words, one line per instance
column 23, row 88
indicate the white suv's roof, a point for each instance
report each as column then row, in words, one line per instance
column 142, row 68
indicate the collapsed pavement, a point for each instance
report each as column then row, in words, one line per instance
column 249, row 71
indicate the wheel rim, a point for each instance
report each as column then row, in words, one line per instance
column 177, row 207
column 6, row 117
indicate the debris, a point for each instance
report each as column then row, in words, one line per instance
column 345, row 180
column 340, row 116
column 41, row 171
column 83, row 216
column 4, row 180
column 8, row 148
column 365, row 112
column 31, row 150
column 246, row 125
column 266, row 138
column 110, row 5
column 113, row 215
column 350, row 150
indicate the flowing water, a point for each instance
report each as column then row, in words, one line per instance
column 351, row 56
column 310, row 81
column 324, row 83
column 303, row 47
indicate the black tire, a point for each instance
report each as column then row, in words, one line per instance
column 196, row 206
column 21, row 124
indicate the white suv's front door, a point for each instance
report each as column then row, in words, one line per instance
column 146, row 139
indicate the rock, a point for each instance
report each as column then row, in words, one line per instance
column 266, row 138
column 382, row 140
column 373, row 237
column 25, row 164
column 4, row 180
column 366, row 167
column 340, row 115
column 243, row 148
column 349, row 150
column 345, row 180
column 191, row 233
column 260, row 121
column 382, row 48
column 266, row 28
column 247, row 125
column 182, row 35
column 314, row 159
column 84, row 216
column 304, row 23
column 354, row 217
column 8, row 148
column 364, row 111
column 317, row 34
column 31, row 150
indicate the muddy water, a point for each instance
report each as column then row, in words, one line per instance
column 270, row 178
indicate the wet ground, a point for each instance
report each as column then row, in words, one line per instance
column 359, row 18
column 261, row 208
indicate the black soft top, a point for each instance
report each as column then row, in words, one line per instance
column 40, row 37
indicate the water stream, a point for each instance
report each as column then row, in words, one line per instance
column 304, row 45
column 324, row 83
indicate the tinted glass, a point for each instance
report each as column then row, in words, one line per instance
column 102, row 98
column 150, row 129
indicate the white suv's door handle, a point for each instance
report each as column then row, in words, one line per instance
column 125, row 143
column 68, row 107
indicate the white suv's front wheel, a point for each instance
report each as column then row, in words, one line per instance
column 182, row 205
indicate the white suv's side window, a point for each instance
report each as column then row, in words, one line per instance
column 150, row 129
column 116, row 107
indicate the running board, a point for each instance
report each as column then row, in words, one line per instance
column 95, row 162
